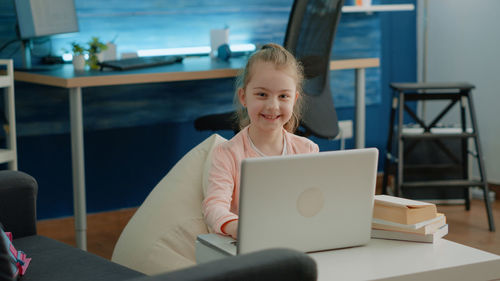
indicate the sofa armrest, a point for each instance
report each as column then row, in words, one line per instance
column 266, row 265
column 18, row 193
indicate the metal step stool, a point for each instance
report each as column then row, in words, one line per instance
column 404, row 142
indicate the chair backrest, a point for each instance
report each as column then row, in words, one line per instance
column 309, row 36
column 266, row 265
column 18, row 192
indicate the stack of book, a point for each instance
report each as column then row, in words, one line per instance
column 405, row 219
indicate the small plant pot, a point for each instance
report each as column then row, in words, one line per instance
column 79, row 62
column 94, row 59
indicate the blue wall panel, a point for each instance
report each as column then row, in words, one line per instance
column 135, row 25
column 135, row 134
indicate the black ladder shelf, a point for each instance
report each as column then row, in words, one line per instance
column 400, row 143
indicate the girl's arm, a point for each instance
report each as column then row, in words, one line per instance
column 231, row 228
column 221, row 183
column 314, row 148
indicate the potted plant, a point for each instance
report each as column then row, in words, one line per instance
column 95, row 49
column 78, row 56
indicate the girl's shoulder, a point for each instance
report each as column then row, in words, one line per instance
column 235, row 145
column 300, row 144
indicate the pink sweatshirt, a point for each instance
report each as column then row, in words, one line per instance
column 222, row 198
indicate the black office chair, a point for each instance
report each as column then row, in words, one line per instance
column 309, row 36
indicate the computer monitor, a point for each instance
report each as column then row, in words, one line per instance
column 38, row 18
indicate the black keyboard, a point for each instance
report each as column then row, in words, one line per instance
column 140, row 62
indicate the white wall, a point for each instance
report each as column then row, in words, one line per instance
column 463, row 44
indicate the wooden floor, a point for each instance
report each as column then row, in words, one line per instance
column 465, row 227
column 103, row 230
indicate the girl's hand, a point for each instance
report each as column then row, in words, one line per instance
column 231, row 229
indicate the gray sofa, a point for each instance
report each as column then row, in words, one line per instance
column 53, row 260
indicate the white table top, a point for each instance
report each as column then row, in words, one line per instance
column 386, row 260
column 398, row 260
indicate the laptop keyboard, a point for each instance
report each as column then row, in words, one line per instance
column 140, row 62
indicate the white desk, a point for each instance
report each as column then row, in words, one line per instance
column 397, row 260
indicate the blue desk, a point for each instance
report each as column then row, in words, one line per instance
column 193, row 68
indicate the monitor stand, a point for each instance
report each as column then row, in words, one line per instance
column 26, row 45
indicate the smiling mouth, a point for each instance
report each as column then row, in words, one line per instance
column 270, row 117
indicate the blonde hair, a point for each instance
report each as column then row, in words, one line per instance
column 283, row 60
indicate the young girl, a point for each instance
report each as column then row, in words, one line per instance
column 268, row 96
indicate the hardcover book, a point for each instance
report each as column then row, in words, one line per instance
column 428, row 228
column 401, row 210
column 397, row 235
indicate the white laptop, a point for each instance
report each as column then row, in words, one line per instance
column 307, row 202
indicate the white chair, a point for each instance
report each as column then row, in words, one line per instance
column 161, row 235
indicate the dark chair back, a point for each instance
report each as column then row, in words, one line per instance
column 310, row 32
column 309, row 37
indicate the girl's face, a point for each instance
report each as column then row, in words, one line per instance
column 269, row 96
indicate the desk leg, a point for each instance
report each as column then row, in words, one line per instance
column 77, row 156
column 360, row 119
